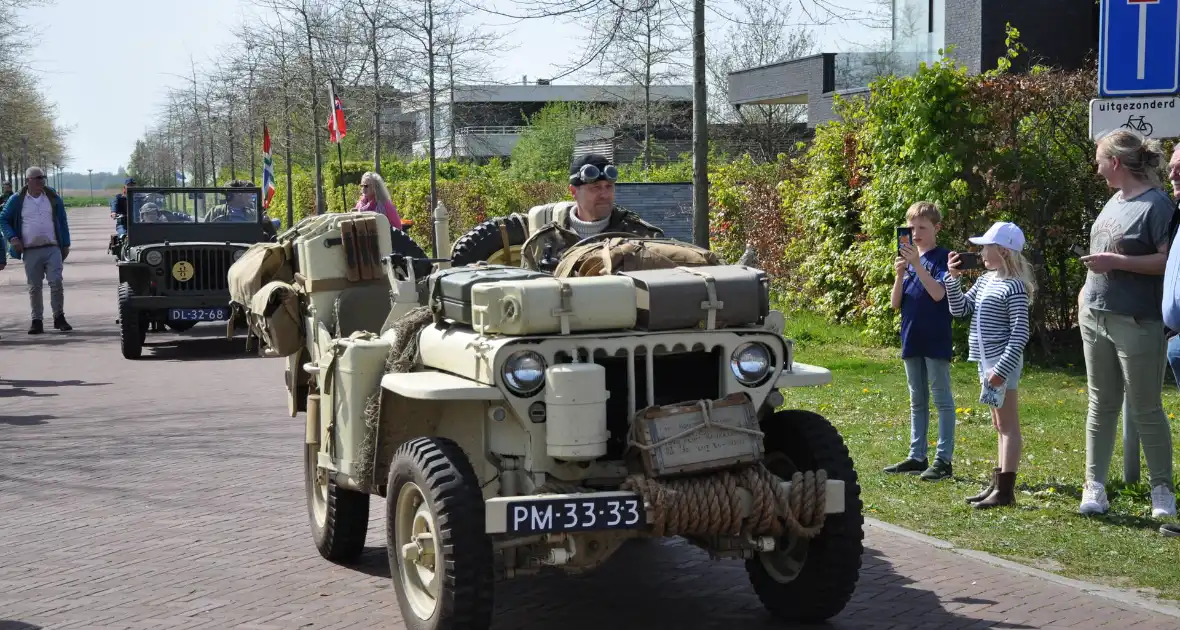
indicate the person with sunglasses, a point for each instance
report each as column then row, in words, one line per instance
column 593, row 211
column 36, row 230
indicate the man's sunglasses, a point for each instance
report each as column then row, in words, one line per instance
column 590, row 173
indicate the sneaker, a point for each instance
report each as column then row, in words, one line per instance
column 939, row 470
column 1094, row 499
column 910, row 466
column 1163, row 502
column 60, row 323
column 37, row 328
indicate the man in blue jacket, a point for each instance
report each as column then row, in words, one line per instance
column 36, row 230
column 119, row 207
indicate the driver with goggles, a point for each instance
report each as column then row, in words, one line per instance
column 593, row 211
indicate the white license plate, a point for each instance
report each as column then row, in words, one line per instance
column 198, row 314
column 575, row 514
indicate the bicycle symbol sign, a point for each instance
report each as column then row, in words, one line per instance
column 1151, row 116
column 1138, row 123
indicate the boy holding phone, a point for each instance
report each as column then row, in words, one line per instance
column 918, row 291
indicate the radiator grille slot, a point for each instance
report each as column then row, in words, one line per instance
column 210, row 270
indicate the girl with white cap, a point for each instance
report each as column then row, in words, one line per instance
column 998, row 306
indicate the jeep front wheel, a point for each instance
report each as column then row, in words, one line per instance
column 810, row 580
column 132, row 330
column 339, row 517
column 439, row 554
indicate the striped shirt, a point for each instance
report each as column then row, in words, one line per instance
column 1001, row 307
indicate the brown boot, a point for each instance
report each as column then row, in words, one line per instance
column 1005, row 493
column 988, row 490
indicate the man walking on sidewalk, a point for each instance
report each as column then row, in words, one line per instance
column 34, row 225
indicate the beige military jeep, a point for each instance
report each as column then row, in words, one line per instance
column 521, row 424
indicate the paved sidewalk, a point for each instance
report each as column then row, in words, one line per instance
column 168, row 493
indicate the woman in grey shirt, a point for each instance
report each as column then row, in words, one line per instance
column 1121, row 321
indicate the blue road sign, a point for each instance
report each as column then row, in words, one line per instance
column 1139, row 47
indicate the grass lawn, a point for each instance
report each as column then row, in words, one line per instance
column 869, row 403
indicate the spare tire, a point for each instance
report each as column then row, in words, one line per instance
column 406, row 246
column 495, row 241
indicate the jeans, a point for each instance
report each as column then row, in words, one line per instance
column 1125, row 355
column 926, row 376
column 1174, row 357
column 44, row 263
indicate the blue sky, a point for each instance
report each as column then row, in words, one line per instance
column 107, row 64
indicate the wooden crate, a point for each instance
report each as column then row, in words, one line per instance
column 705, row 449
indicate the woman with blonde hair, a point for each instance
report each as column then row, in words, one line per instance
column 998, row 307
column 375, row 198
column 1120, row 316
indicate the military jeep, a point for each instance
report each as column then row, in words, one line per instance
column 173, row 259
column 537, row 423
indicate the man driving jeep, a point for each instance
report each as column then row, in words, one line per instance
column 237, row 207
column 593, row 211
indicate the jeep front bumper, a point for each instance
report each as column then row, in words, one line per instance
column 596, row 511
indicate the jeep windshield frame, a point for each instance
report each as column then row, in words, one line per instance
column 189, row 215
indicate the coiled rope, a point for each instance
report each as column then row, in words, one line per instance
column 711, row 505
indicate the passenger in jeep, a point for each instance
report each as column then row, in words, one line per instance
column 592, row 184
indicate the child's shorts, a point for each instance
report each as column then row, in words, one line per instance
column 1013, row 381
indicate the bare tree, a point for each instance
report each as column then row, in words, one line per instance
column 309, row 16
column 434, row 29
column 648, row 50
column 764, row 36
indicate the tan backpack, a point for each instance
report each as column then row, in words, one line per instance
column 261, row 264
column 274, row 315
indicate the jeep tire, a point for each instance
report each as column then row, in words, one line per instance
column 339, row 517
column 439, row 554
column 402, row 243
column 132, row 328
column 485, row 242
column 809, row 581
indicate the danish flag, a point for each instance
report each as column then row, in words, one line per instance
column 337, row 128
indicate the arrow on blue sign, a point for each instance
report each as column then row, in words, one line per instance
column 1139, row 47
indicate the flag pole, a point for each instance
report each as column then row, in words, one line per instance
column 340, row 155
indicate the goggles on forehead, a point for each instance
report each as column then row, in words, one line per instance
column 590, row 173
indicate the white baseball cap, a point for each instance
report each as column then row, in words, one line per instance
column 1001, row 233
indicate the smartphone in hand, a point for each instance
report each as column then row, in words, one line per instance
column 905, row 236
column 969, row 261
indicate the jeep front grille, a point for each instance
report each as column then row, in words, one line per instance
column 210, row 269
column 637, row 378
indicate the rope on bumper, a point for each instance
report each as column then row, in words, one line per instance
column 710, row 505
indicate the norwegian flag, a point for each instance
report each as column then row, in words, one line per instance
column 337, row 128
column 268, row 169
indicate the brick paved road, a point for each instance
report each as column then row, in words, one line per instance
column 186, row 509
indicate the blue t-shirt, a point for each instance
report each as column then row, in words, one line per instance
column 925, row 324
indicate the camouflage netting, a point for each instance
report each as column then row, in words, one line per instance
column 403, row 357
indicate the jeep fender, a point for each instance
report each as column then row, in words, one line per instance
column 803, row 375
column 137, row 274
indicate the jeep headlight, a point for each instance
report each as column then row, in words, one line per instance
column 238, row 254
column 154, row 257
column 751, row 363
column 524, row 372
